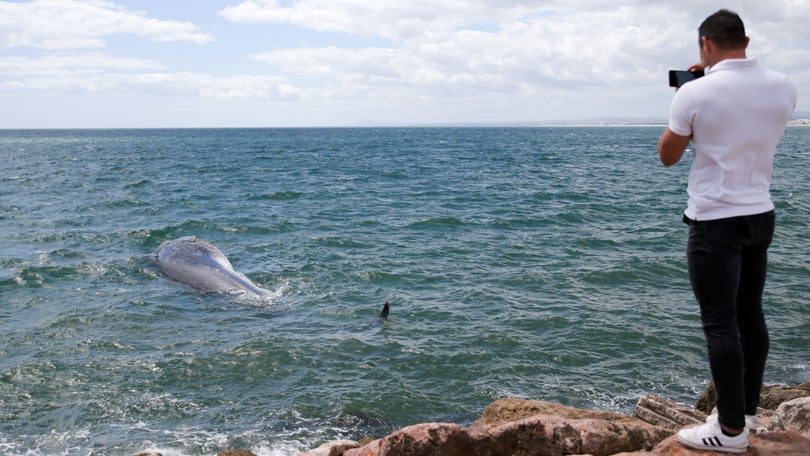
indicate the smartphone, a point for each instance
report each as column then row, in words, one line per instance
column 678, row 78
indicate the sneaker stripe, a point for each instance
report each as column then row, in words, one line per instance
column 712, row 441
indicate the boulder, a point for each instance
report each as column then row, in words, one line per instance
column 427, row 439
column 667, row 414
column 512, row 409
column 794, row 415
column 335, row 448
column 568, row 431
column 553, row 435
column 770, row 396
column 520, row 427
column 774, row 395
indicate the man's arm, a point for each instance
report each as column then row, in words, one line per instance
column 671, row 147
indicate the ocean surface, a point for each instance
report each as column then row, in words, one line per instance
column 539, row 263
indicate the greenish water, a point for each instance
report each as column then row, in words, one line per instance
column 542, row 263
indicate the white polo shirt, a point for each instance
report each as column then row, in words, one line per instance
column 736, row 115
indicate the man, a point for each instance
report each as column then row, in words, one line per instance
column 734, row 116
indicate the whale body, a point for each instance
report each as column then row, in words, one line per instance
column 203, row 266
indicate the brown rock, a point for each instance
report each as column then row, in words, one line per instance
column 767, row 421
column 511, row 409
column 518, row 427
column 795, row 416
column 667, row 414
column 335, row 448
column 148, row 453
column 773, row 395
column 236, row 453
column 556, row 435
column 538, row 435
column 431, row 439
column 708, row 400
column 770, row 397
column 428, row 439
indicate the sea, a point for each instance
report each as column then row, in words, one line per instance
column 544, row 263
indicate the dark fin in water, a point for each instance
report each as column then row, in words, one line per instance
column 384, row 314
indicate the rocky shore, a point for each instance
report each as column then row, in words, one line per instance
column 520, row 427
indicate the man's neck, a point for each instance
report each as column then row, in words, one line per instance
column 729, row 55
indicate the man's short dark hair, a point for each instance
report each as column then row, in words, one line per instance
column 725, row 29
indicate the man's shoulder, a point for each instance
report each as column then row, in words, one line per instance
column 773, row 73
column 781, row 84
column 783, row 80
column 694, row 88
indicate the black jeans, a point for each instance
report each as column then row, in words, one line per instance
column 727, row 261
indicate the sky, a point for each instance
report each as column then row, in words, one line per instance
column 301, row 63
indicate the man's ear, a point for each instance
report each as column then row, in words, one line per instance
column 707, row 44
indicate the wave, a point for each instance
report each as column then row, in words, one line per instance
column 437, row 222
column 277, row 196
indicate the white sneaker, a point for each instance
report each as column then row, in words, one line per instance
column 709, row 436
column 750, row 422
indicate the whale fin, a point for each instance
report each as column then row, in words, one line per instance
column 384, row 313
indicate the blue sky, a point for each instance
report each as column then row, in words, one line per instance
column 280, row 63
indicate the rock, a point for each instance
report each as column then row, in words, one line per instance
column 794, row 415
column 767, row 421
column 366, row 439
column 667, row 414
column 428, row 439
column 148, row 453
column 554, row 435
column 788, row 443
column 595, row 433
column 521, row 428
column 773, row 395
column 335, row 448
column 770, row 396
column 511, row 409
column 236, row 453
column 708, row 400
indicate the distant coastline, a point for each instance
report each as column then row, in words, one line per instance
column 801, row 119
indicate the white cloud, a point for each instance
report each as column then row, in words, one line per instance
column 73, row 24
column 461, row 48
column 398, row 20
column 573, row 51
column 75, row 63
column 98, row 73
column 196, row 85
column 347, row 60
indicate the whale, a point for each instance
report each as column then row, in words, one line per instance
column 202, row 266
